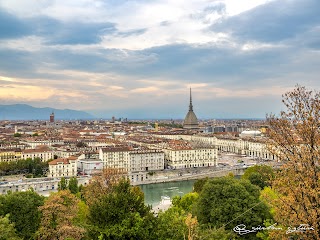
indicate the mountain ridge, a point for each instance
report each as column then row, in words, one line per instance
column 28, row 112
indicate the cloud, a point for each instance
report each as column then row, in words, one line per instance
column 11, row 26
column 273, row 22
column 139, row 58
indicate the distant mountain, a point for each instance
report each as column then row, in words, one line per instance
column 27, row 112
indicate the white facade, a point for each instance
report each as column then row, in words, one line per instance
column 35, row 143
column 252, row 149
column 142, row 162
column 115, row 157
column 37, row 153
column 63, row 167
column 89, row 166
column 136, row 163
column 247, row 147
column 188, row 158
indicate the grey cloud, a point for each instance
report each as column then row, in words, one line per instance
column 273, row 22
column 56, row 32
column 11, row 26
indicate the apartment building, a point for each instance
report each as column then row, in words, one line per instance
column 63, row 167
column 188, row 158
column 44, row 153
column 136, row 162
column 9, row 155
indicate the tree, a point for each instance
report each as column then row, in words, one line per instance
column 62, row 185
column 171, row 224
column 186, row 202
column 259, row 175
column 7, row 230
column 228, row 202
column 23, row 211
column 58, row 215
column 294, row 140
column 73, row 185
column 198, row 185
column 100, row 185
column 17, row 135
column 120, row 213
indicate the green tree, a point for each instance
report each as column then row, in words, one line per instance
column 73, row 185
column 17, row 135
column 228, row 202
column 23, row 210
column 62, row 185
column 170, row 225
column 186, row 202
column 7, row 230
column 259, row 175
column 59, row 213
column 198, row 185
column 213, row 233
column 120, row 213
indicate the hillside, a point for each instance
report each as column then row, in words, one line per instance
column 27, row 112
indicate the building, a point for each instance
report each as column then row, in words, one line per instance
column 190, row 158
column 9, row 155
column 42, row 152
column 52, row 117
column 89, row 166
column 191, row 120
column 143, row 161
column 63, row 167
column 137, row 163
column 115, row 157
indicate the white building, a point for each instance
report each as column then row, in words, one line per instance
column 136, row 163
column 44, row 154
column 35, row 143
column 63, row 167
column 115, row 157
column 142, row 162
column 89, row 166
column 188, row 158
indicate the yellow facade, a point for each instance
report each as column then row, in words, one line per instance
column 9, row 155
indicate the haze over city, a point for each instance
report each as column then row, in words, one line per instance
column 137, row 59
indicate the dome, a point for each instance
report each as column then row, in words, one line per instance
column 191, row 120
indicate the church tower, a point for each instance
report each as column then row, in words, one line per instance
column 52, row 117
column 191, row 120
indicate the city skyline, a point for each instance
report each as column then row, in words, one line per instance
column 138, row 59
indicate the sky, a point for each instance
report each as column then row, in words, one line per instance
column 138, row 59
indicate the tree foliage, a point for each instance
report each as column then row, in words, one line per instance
column 259, row 175
column 63, row 184
column 32, row 166
column 186, row 202
column 198, row 185
column 22, row 208
column 58, row 215
column 7, row 230
column 100, row 185
column 228, row 202
column 171, row 224
column 73, row 185
column 120, row 213
column 294, row 140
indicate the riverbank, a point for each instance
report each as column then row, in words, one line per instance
column 191, row 175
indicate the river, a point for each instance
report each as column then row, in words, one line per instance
column 153, row 192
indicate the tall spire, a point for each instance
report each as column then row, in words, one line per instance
column 190, row 105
